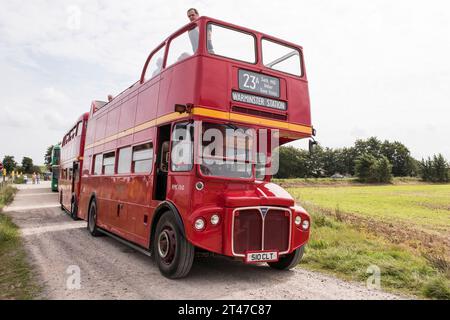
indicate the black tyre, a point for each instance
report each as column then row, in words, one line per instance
column 74, row 209
column 289, row 261
column 61, row 201
column 174, row 255
column 92, row 220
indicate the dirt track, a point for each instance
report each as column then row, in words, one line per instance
column 110, row 270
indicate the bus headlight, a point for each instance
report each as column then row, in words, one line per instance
column 305, row 225
column 298, row 221
column 199, row 224
column 215, row 219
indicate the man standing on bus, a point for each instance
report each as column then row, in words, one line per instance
column 194, row 34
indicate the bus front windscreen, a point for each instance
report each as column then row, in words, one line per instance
column 227, row 151
column 55, row 172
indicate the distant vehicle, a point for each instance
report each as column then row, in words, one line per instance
column 72, row 156
column 207, row 76
column 56, row 153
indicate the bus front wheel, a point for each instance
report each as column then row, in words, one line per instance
column 92, row 220
column 174, row 254
column 289, row 261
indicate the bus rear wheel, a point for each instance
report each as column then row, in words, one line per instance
column 61, row 200
column 92, row 220
column 174, row 254
column 74, row 209
column 289, row 261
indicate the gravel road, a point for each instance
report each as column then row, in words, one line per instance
column 58, row 246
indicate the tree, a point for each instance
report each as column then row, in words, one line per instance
column 440, row 168
column 383, row 170
column 292, row 163
column 27, row 165
column 9, row 163
column 435, row 169
column 370, row 169
column 364, row 167
column 36, row 169
column 48, row 157
column 400, row 158
column 371, row 146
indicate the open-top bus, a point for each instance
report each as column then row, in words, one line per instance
column 55, row 161
column 208, row 77
column 72, row 155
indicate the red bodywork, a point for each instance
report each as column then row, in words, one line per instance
column 72, row 156
column 203, row 82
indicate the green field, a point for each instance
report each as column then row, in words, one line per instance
column 404, row 229
column 423, row 207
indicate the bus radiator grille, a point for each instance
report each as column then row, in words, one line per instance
column 250, row 226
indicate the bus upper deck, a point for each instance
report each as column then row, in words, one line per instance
column 213, row 69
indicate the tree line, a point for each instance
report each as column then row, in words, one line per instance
column 26, row 166
column 371, row 160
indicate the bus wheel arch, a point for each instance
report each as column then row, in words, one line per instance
column 159, row 211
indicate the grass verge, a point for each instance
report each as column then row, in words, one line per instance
column 16, row 278
column 345, row 251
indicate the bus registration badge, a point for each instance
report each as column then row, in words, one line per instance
column 261, row 256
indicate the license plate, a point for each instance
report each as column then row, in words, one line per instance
column 261, row 256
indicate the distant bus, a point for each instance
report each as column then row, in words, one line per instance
column 56, row 153
column 208, row 77
column 72, row 155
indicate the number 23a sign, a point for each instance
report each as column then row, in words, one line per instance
column 259, row 83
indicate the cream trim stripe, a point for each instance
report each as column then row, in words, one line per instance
column 206, row 112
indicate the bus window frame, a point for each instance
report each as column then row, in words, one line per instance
column 147, row 63
column 276, row 41
column 187, row 172
column 116, row 171
column 173, row 37
column 255, row 39
column 141, row 174
column 217, row 178
column 103, row 162
column 94, row 159
column 166, row 44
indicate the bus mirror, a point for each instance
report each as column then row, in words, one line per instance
column 312, row 145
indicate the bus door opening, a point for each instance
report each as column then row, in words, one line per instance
column 162, row 163
column 75, row 176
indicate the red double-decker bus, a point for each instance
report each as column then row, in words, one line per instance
column 72, row 156
column 204, row 80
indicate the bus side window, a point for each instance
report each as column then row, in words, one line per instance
column 108, row 163
column 98, row 160
column 155, row 64
column 182, row 47
column 124, row 162
column 143, row 158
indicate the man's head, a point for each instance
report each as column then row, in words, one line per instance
column 192, row 14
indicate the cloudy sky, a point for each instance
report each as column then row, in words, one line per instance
column 375, row 67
